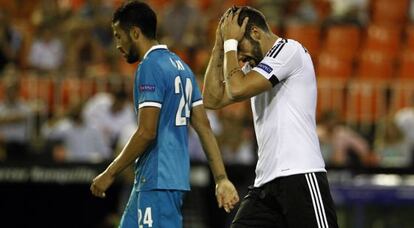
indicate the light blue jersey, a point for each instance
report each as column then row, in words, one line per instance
column 163, row 80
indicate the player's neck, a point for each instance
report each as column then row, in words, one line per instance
column 268, row 42
column 146, row 45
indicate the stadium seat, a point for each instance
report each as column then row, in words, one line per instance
column 73, row 90
column 406, row 69
column 331, row 94
column 409, row 43
column 365, row 101
column 402, row 94
column 390, row 12
column 330, row 65
column 308, row 35
column 343, row 41
column 375, row 65
column 383, row 38
column 2, row 90
column 41, row 90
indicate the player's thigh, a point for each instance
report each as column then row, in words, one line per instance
column 307, row 201
column 158, row 208
column 169, row 205
column 255, row 211
column 130, row 216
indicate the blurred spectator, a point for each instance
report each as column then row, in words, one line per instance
column 411, row 11
column 10, row 41
column 348, row 12
column 390, row 145
column 404, row 119
column 274, row 11
column 15, row 123
column 182, row 25
column 110, row 113
column 239, row 149
column 46, row 53
column 83, row 50
column 98, row 13
column 47, row 11
column 76, row 141
column 340, row 145
column 301, row 12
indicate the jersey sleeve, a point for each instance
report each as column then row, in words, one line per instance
column 280, row 62
column 151, row 87
column 196, row 98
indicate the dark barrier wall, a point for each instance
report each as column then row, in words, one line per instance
column 52, row 196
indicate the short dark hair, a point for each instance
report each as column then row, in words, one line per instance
column 256, row 18
column 136, row 13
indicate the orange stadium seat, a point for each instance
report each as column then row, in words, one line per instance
column 383, row 38
column 308, row 35
column 330, row 65
column 331, row 94
column 343, row 41
column 73, row 90
column 406, row 69
column 375, row 65
column 390, row 12
column 402, row 94
column 38, row 89
column 366, row 101
column 410, row 37
column 2, row 90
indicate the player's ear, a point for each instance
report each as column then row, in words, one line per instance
column 135, row 32
column 255, row 33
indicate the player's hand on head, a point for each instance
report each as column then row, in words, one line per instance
column 226, row 194
column 230, row 29
column 100, row 184
column 219, row 36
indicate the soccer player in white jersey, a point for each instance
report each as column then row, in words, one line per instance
column 291, row 188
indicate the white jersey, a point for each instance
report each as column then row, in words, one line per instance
column 284, row 116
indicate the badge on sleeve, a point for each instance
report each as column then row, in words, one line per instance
column 265, row 67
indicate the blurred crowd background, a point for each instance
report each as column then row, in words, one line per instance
column 66, row 93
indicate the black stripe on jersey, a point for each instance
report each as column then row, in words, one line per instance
column 278, row 51
column 274, row 80
column 275, row 48
column 272, row 50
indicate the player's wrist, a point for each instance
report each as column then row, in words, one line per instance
column 230, row 45
column 110, row 172
column 220, row 178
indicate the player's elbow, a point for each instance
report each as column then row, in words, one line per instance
column 148, row 135
column 211, row 105
column 236, row 94
column 210, row 102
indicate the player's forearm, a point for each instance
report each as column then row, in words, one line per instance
column 135, row 147
column 213, row 90
column 233, row 77
column 213, row 155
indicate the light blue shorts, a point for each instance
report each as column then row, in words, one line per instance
column 156, row 208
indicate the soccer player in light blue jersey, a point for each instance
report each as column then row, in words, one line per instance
column 167, row 99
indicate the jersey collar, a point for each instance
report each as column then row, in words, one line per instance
column 155, row 47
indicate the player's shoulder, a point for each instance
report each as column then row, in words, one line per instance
column 282, row 52
column 283, row 49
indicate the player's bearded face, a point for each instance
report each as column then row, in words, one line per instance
column 250, row 51
column 132, row 54
column 256, row 52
